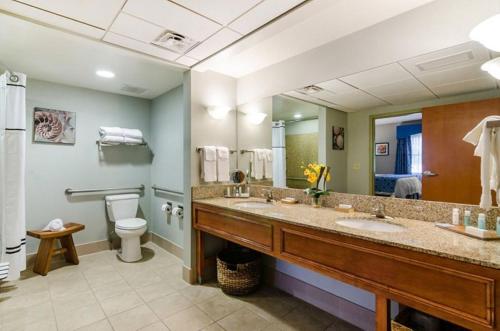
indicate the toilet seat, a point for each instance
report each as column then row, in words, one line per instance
column 130, row 224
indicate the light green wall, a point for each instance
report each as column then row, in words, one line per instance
column 52, row 168
column 167, row 169
column 358, row 136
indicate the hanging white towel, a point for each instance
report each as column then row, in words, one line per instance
column 257, row 160
column 268, row 164
column 12, row 173
column 209, row 164
column 487, row 142
column 222, row 164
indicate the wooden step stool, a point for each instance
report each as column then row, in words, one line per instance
column 46, row 249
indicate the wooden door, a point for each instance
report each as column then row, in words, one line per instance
column 448, row 156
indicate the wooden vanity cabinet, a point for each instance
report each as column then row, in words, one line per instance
column 463, row 293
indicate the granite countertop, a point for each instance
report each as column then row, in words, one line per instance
column 419, row 236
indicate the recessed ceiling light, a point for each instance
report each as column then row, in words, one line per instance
column 486, row 33
column 297, row 116
column 311, row 89
column 492, row 67
column 105, row 73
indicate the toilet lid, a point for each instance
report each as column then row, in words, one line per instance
column 130, row 223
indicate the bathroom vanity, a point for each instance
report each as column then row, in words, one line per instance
column 412, row 262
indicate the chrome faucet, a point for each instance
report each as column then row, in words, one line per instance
column 268, row 194
column 379, row 210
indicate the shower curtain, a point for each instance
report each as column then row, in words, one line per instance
column 279, row 154
column 12, row 172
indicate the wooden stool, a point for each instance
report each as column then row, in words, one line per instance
column 46, row 249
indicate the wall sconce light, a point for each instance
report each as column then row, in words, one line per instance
column 218, row 112
column 492, row 67
column 486, row 33
column 256, row 118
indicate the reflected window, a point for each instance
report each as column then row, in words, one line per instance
column 416, row 153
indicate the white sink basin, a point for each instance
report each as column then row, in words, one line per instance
column 370, row 225
column 252, row 204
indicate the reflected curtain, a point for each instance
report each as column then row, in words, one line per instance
column 403, row 156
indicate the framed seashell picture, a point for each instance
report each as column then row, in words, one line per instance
column 54, row 126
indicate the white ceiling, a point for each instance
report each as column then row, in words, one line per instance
column 52, row 55
column 451, row 71
column 399, row 119
column 135, row 24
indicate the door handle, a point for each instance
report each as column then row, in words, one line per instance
column 428, row 173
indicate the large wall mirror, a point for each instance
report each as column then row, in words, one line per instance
column 391, row 131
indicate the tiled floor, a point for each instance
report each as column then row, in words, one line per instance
column 102, row 293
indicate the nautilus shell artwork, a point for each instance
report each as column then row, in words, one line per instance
column 54, row 126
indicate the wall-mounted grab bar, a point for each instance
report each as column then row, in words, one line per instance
column 199, row 149
column 73, row 191
column 243, row 151
column 157, row 188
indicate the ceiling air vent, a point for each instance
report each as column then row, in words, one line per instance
column 311, row 89
column 133, row 89
column 446, row 61
column 174, row 42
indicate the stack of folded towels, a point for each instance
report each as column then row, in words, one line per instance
column 115, row 135
column 4, row 270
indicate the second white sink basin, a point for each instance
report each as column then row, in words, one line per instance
column 253, row 204
column 370, row 225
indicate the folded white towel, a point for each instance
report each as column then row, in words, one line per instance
column 4, row 270
column 209, row 164
column 132, row 133
column 268, row 163
column 222, row 164
column 120, row 132
column 55, row 225
column 132, row 141
column 113, row 140
column 257, row 159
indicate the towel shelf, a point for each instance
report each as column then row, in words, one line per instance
column 166, row 190
column 103, row 144
column 95, row 190
column 199, row 149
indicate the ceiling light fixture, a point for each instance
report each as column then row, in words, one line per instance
column 174, row 42
column 297, row 116
column 311, row 89
column 492, row 67
column 256, row 118
column 486, row 33
column 218, row 112
column 105, row 73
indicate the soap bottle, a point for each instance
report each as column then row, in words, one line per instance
column 481, row 221
column 467, row 218
column 455, row 218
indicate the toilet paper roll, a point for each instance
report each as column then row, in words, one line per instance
column 166, row 208
column 178, row 211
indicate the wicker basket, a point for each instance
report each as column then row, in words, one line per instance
column 238, row 271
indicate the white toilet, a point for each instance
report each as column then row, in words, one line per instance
column 122, row 210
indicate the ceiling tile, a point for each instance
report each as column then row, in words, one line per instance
column 94, row 12
column 336, row 86
column 213, row 44
column 140, row 46
column 472, row 71
column 390, row 73
column 261, row 14
column 51, row 19
column 186, row 60
column 222, row 11
column 172, row 17
column 409, row 97
column 135, row 28
column 459, row 87
column 354, row 100
column 309, row 98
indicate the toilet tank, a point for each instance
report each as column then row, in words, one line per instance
column 122, row 206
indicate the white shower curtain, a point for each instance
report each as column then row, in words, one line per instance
column 279, row 154
column 12, row 172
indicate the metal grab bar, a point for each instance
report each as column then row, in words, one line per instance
column 157, row 188
column 73, row 191
column 243, row 151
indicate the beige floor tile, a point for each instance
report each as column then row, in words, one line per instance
column 200, row 293
column 8, row 304
column 176, row 283
column 142, row 278
column 243, row 320
column 27, row 315
column 46, row 324
column 27, row 286
column 79, row 318
column 158, row 326
column 70, row 302
column 65, row 273
column 120, row 303
column 169, row 305
column 340, row 325
column 109, row 290
column 70, row 287
column 173, row 271
column 97, row 277
column 191, row 319
column 307, row 317
column 271, row 308
column 154, row 291
column 102, row 325
column 220, row 306
column 213, row 327
column 133, row 319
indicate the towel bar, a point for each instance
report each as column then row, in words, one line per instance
column 199, row 149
